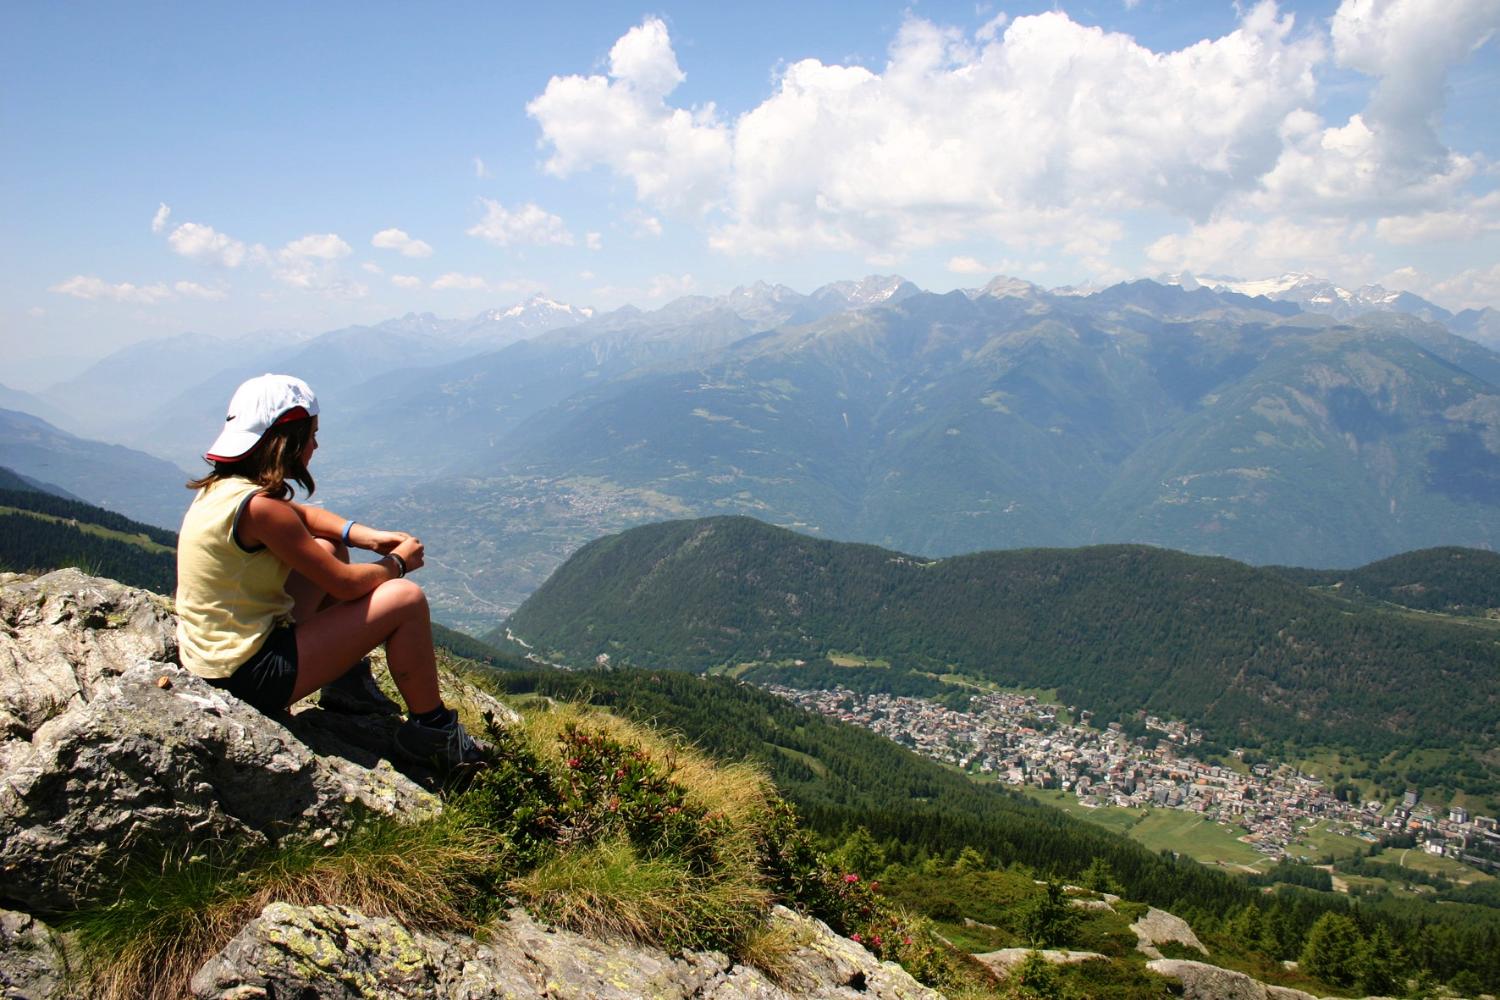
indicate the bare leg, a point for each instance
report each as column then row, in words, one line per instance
column 394, row 613
column 307, row 597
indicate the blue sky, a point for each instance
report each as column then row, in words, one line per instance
column 229, row 168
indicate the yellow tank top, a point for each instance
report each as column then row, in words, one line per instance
column 228, row 599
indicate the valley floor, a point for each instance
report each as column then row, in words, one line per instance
column 1160, row 796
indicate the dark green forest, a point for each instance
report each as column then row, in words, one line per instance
column 1250, row 655
column 30, row 543
column 1448, row 580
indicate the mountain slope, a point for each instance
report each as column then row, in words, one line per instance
column 1245, row 653
column 114, row 477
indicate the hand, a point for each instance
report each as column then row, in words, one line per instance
column 385, row 542
column 411, row 551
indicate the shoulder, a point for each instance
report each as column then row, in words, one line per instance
column 262, row 506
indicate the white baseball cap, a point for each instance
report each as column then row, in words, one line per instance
column 257, row 406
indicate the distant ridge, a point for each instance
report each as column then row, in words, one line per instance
column 116, row 478
column 1247, row 654
column 12, row 480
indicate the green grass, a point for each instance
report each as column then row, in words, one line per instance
column 168, row 919
column 814, row 764
column 1419, row 860
column 138, row 540
column 1163, row 829
column 854, row 660
column 1318, row 841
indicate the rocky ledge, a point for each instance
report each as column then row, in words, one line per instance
column 110, row 751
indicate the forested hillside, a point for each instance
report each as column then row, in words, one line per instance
column 1248, row 654
column 918, row 813
column 39, row 531
column 1450, row 580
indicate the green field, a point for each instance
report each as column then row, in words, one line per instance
column 1319, row 842
column 1165, row 829
column 1421, row 861
column 93, row 529
column 855, row 660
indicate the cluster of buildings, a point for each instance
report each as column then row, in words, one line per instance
column 1021, row 741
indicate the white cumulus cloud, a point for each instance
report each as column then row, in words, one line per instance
column 1389, row 155
column 406, row 281
column 526, row 224
column 1468, row 219
column 677, row 158
column 159, row 220
column 955, row 135
column 317, row 246
column 192, row 239
column 83, row 286
column 459, row 282
column 398, row 240
column 193, row 290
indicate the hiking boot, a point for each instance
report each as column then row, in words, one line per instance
column 446, row 748
column 356, row 693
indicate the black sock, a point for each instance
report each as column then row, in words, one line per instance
column 437, row 717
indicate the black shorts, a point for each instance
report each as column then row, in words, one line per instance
column 267, row 679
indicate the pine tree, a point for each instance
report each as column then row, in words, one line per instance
column 1100, row 877
column 1333, row 950
column 1382, row 963
column 1247, row 927
column 1047, row 918
column 860, row 854
column 1034, row 978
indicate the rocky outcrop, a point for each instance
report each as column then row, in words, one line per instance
column 1002, row 961
column 1201, row 981
column 1158, row 927
column 332, row 953
column 31, row 965
column 111, row 749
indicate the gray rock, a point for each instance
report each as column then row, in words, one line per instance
column 1159, row 927
column 1002, row 961
column 1201, row 981
column 31, row 966
column 63, row 634
column 117, row 753
column 334, row 952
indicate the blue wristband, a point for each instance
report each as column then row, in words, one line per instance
column 347, row 525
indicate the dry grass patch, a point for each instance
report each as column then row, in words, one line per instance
column 610, row 891
column 165, row 923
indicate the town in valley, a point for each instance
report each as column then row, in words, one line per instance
column 1019, row 740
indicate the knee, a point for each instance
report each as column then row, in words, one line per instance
column 403, row 595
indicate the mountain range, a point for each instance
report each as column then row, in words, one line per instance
column 1199, row 418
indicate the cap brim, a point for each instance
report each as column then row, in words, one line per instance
column 231, row 446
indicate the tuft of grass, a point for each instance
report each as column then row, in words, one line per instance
column 611, row 891
column 614, row 829
column 166, row 921
column 772, row 948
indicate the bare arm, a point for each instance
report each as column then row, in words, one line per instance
column 326, row 524
column 280, row 527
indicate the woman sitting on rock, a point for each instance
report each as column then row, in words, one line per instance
column 269, row 606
